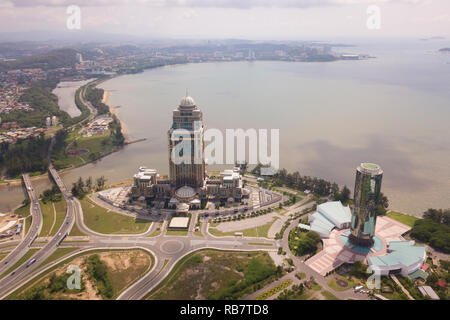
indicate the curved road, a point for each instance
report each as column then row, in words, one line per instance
column 168, row 250
column 33, row 232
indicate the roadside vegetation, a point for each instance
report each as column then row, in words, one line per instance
column 53, row 208
column 25, row 156
column 217, row 275
column 104, row 275
column 434, row 229
column 89, row 148
column 302, row 243
column 22, row 260
column 272, row 291
column 319, row 187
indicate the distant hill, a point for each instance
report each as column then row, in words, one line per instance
column 50, row 60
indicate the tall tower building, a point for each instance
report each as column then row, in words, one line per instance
column 187, row 169
column 366, row 199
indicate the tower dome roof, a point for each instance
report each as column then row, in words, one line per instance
column 187, row 101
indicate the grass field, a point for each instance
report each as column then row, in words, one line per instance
column 260, row 231
column 199, row 232
column 103, row 221
column 3, row 254
column 403, row 218
column 25, row 257
column 28, row 220
column 328, row 295
column 53, row 214
column 61, row 211
column 206, row 272
column 75, row 231
column 59, row 252
column 47, row 218
column 94, row 144
column 177, row 232
column 23, row 211
column 156, row 232
column 350, row 284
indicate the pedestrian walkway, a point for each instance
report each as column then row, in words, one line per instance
column 401, row 286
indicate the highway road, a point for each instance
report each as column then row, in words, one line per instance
column 33, row 232
column 24, row 269
column 167, row 250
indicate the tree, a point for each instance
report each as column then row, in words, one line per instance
column 80, row 184
column 101, row 182
column 383, row 201
column 89, row 183
column 74, row 190
column 334, row 189
column 345, row 194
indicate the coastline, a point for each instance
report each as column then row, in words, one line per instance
column 113, row 110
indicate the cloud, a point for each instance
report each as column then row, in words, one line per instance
column 237, row 4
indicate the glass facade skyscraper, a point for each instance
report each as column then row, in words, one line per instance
column 366, row 199
column 187, row 166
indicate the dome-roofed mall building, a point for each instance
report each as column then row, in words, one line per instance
column 188, row 181
column 357, row 234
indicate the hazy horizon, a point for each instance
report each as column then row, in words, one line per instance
column 229, row 19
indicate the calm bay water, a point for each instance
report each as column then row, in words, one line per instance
column 393, row 110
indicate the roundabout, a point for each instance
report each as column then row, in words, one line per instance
column 172, row 246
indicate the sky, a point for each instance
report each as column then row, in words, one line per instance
column 245, row 19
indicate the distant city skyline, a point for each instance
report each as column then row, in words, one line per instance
column 251, row 19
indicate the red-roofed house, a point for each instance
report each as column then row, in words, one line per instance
column 425, row 267
column 441, row 283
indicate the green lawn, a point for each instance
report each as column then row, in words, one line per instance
column 75, row 231
column 103, row 221
column 315, row 286
column 176, row 232
column 50, row 225
column 260, row 231
column 350, row 284
column 93, row 144
column 28, row 221
column 156, row 232
column 59, row 252
column 199, row 232
column 47, row 218
column 23, row 211
column 25, row 257
column 61, row 211
column 403, row 218
column 3, row 254
column 328, row 295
